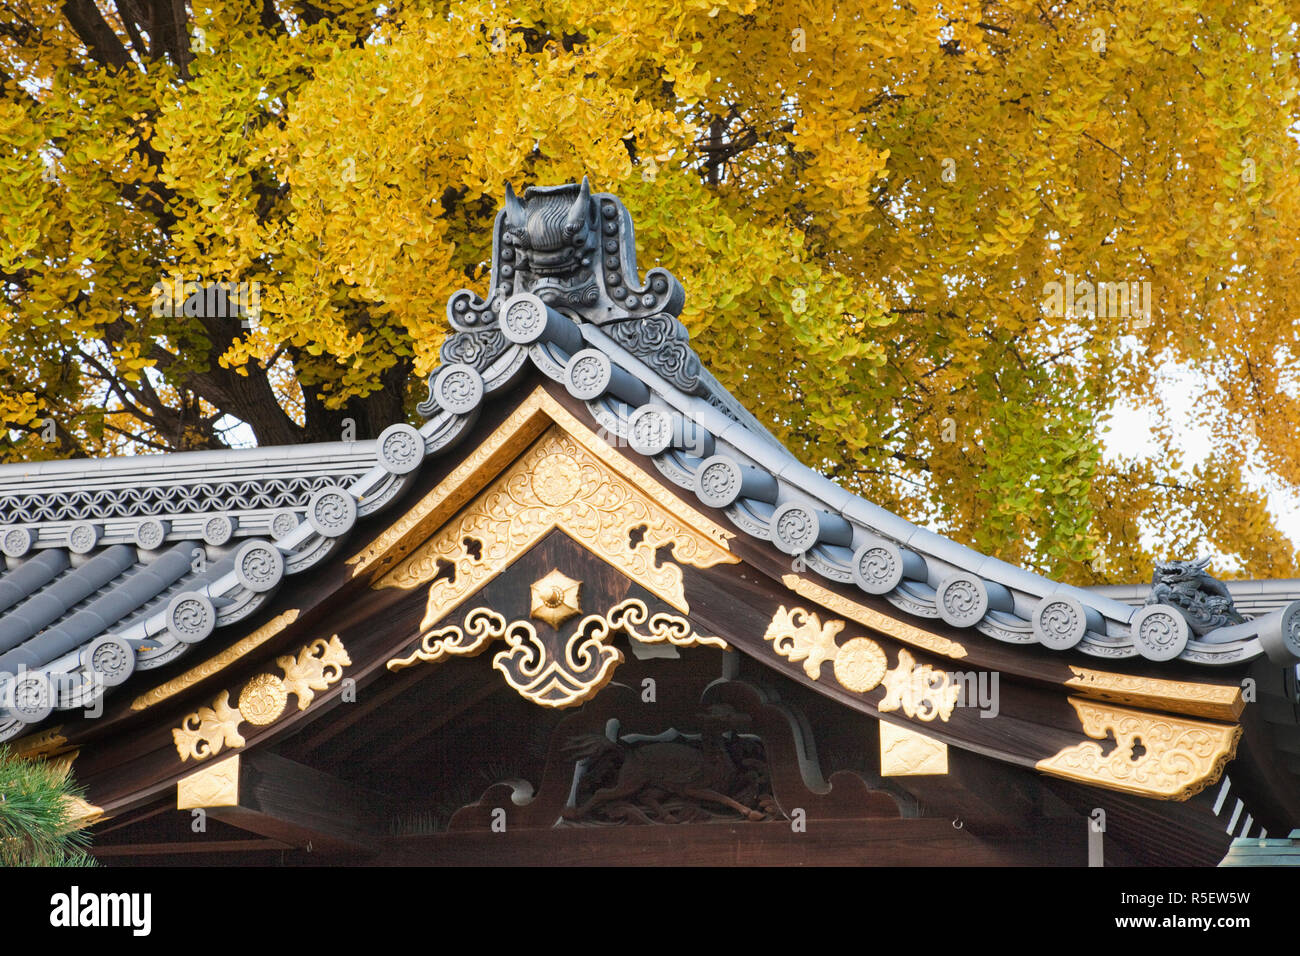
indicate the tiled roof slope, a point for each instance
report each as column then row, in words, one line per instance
column 123, row 564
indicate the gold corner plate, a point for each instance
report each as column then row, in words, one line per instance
column 214, row 785
column 1155, row 755
column 910, row 753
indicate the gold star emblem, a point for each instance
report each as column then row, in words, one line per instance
column 555, row 598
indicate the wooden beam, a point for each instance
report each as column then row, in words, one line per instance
column 301, row 807
column 204, row 846
column 877, row 842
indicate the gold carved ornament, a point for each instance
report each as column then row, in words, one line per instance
column 209, row 730
column 1223, row 701
column 213, row 785
column 860, row 665
column 899, row 630
column 533, row 416
column 557, row 483
column 1171, row 758
column 552, row 668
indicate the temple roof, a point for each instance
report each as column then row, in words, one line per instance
column 124, row 564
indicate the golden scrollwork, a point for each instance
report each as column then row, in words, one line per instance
column 209, row 730
column 482, row 626
column 883, row 623
column 557, row 483
column 215, row 785
column 532, row 668
column 550, row 668
column 1170, row 758
column 1223, row 701
column 920, row 690
column 799, row 635
column 664, row 628
column 217, row 663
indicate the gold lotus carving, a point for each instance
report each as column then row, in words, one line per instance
column 1155, row 755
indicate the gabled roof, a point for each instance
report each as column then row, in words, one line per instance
column 124, row 564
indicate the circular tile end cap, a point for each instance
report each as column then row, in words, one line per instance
column 1060, row 621
column 259, row 566
column 718, row 481
column 401, row 449
column 877, row 567
column 458, row 388
column 191, row 617
column 962, row 599
column 110, row 658
column 795, row 528
column 650, row 430
column 16, row 542
column 332, row 512
column 1160, row 633
column 588, row 374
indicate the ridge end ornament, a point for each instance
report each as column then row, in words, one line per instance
column 563, row 255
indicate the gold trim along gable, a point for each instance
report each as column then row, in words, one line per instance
column 560, row 483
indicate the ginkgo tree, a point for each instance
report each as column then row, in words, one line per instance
column 867, row 203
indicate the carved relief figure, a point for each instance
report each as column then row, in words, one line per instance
column 720, row 776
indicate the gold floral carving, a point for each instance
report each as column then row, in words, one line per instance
column 216, row 785
column 553, row 669
column 799, row 635
column 921, row 691
column 218, row 663
column 555, row 598
column 317, row 666
column 1223, row 701
column 909, row 753
column 209, row 730
column 900, row 630
column 538, row 411
column 1170, row 758
column 557, row 483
